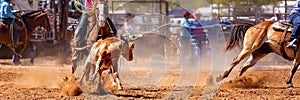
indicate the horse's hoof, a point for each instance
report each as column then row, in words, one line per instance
column 219, row 78
column 290, row 86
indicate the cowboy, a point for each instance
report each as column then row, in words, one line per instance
column 8, row 15
column 295, row 20
column 129, row 29
column 81, row 31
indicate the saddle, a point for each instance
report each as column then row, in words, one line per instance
column 4, row 25
column 283, row 26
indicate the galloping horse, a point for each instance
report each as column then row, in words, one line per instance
column 30, row 21
column 258, row 41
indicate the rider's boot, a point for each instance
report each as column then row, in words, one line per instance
column 292, row 44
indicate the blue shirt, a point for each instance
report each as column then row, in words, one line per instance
column 296, row 8
column 5, row 10
column 184, row 30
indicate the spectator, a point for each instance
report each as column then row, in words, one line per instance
column 185, row 32
column 197, row 30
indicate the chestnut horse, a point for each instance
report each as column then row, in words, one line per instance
column 29, row 22
column 258, row 41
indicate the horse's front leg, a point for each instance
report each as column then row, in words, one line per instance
column 16, row 60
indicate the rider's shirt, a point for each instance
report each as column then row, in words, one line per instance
column 88, row 3
column 296, row 8
column 5, row 10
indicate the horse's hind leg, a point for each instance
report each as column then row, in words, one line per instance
column 292, row 73
column 254, row 57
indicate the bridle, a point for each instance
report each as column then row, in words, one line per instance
column 101, row 18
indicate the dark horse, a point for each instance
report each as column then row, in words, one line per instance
column 257, row 41
column 29, row 22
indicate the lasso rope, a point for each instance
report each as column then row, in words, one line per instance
column 12, row 47
column 77, row 8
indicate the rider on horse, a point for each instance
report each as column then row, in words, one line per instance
column 295, row 20
column 8, row 15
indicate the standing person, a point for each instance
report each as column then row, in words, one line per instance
column 198, row 32
column 295, row 20
column 81, row 32
column 185, row 32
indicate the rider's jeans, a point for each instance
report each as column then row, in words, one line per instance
column 15, row 31
column 295, row 20
column 81, row 33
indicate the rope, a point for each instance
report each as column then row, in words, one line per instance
column 19, row 27
column 77, row 8
column 12, row 47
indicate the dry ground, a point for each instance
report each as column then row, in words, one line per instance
column 40, row 81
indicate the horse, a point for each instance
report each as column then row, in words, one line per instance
column 105, row 54
column 259, row 40
column 29, row 22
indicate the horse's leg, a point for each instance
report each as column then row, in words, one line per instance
column 292, row 73
column 245, row 52
column 32, row 54
column 16, row 60
column 256, row 56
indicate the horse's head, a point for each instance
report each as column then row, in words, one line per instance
column 99, row 17
column 36, row 18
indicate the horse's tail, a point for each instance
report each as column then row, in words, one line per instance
column 236, row 37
